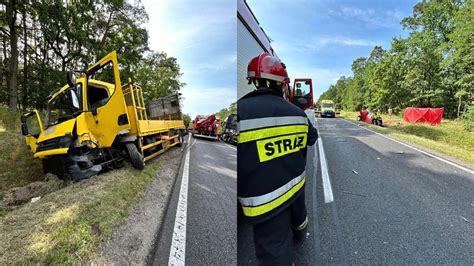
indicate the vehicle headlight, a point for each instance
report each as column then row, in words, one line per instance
column 65, row 141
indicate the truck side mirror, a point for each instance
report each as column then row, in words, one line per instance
column 24, row 129
column 71, row 79
column 23, row 119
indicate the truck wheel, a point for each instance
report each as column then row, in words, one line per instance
column 135, row 156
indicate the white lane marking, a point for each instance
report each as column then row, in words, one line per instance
column 416, row 149
column 327, row 188
column 192, row 144
column 232, row 147
column 178, row 243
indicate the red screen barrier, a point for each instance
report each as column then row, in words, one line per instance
column 423, row 115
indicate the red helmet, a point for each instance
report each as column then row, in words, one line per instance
column 268, row 67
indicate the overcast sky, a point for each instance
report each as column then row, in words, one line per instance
column 320, row 38
column 202, row 36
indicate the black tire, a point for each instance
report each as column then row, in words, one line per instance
column 180, row 138
column 135, row 156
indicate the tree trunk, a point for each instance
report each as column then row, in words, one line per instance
column 25, row 62
column 13, row 72
column 459, row 106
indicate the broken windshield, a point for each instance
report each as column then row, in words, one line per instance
column 66, row 105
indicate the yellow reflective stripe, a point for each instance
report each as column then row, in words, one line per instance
column 269, row 149
column 259, row 210
column 271, row 132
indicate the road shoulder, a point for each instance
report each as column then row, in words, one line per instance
column 136, row 236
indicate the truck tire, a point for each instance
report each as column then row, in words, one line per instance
column 135, row 156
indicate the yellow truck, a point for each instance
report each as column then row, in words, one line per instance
column 328, row 109
column 94, row 123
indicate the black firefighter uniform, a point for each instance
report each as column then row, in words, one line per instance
column 271, row 153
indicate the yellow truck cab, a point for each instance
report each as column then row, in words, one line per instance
column 94, row 122
column 328, row 108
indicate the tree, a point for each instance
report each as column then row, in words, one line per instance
column 460, row 60
column 159, row 75
column 41, row 40
column 11, row 12
column 225, row 112
column 186, row 120
column 432, row 67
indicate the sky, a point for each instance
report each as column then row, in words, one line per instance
column 320, row 38
column 202, row 36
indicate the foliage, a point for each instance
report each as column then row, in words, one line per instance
column 468, row 118
column 432, row 67
column 158, row 75
column 225, row 112
column 186, row 120
column 55, row 36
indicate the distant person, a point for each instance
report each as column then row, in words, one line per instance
column 271, row 161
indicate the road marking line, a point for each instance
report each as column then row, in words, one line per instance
column 416, row 149
column 328, row 196
column 178, row 243
column 234, row 148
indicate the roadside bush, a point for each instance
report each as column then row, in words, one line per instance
column 468, row 118
column 9, row 120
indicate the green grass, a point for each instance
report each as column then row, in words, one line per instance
column 449, row 138
column 15, row 157
column 66, row 226
column 3, row 211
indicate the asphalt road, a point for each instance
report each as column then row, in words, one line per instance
column 211, row 203
column 392, row 205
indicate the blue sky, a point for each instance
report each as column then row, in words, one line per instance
column 202, row 36
column 320, row 38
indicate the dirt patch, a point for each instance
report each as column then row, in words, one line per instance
column 20, row 195
column 133, row 240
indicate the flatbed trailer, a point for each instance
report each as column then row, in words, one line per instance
column 154, row 136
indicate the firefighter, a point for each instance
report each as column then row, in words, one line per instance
column 271, row 161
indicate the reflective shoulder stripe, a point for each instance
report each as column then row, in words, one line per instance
column 271, row 132
column 262, row 209
column 257, row 123
column 303, row 225
column 259, row 200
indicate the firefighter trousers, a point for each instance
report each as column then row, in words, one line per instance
column 273, row 238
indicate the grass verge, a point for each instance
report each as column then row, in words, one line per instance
column 449, row 138
column 14, row 154
column 68, row 225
